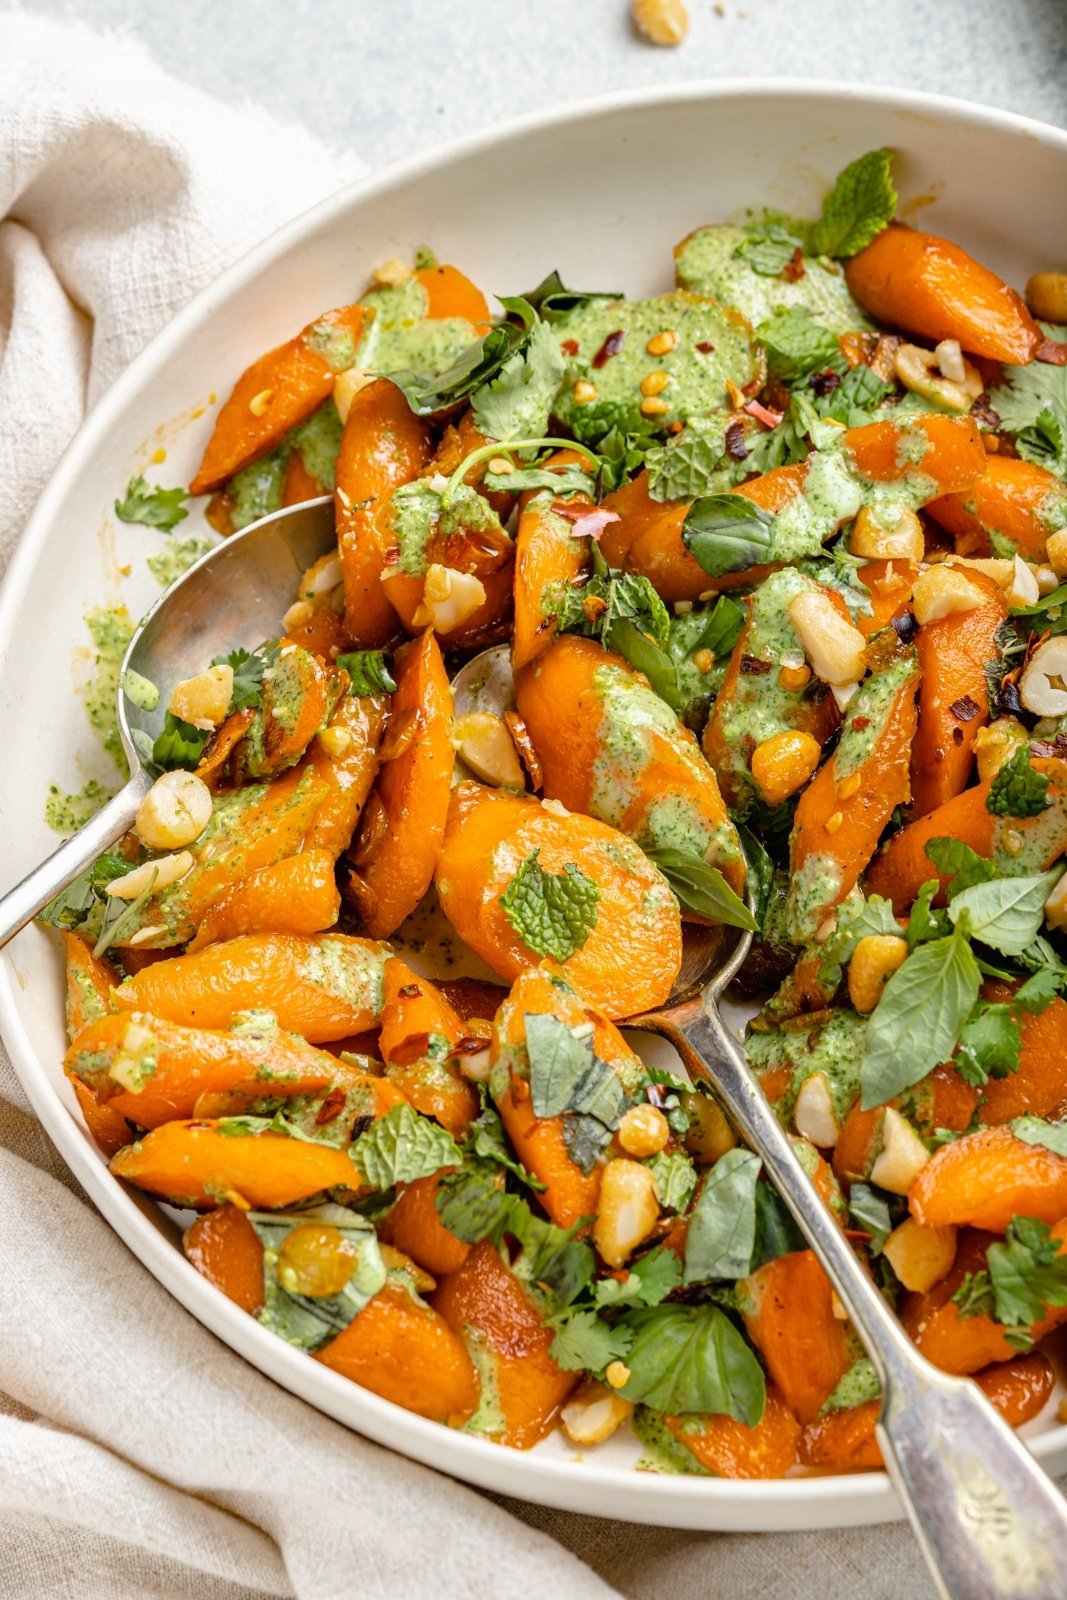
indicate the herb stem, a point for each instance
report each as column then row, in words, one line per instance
column 485, row 452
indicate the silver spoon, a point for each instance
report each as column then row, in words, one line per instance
column 233, row 596
column 989, row 1521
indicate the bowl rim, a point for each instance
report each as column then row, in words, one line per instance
column 677, row 1501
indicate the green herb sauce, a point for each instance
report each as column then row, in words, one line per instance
column 176, row 557
column 709, row 264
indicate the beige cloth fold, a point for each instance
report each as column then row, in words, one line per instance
column 139, row 1457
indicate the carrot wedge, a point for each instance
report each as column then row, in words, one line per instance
column 224, row 1248
column 548, row 561
column 732, row 1449
column 985, row 1179
column 412, row 790
column 1013, row 506
column 419, row 1032
column 297, row 895
column 398, row 1347
column 278, row 392
column 195, row 1164
column 414, row 1226
column 788, row 1310
column 932, row 287
column 325, row 987
column 90, row 981
column 347, row 776
column 450, row 293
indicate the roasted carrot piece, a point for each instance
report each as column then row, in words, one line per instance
column 278, row 392
column 450, row 293
column 250, row 828
column 224, row 1247
column 941, row 1100
column 636, row 510
column 569, row 1193
column 194, row 1164
column 633, row 952
column 414, row 1226
column 843, row 1440
column 987, row 1178
column 323, row 633
column 1013, row 506
column 732, row 1449
column 766, row 636
column 841, row 814
column 324, row 987
column 965, row 1344
column 788, row 1310
column 929, row 286
column 548, row 561
column 1019, row 1388
column 903, row 866
column 890, row 584
column 300, row 692
column 151, row 1070
column 90, row 981
column 419, row 1032
column 298, row 895
column 473, row 997
column 948, row 451
column 298, row 484
column 1038, row 1087
column 486, row 1305
column 383, row 445
column 221, row 745
column 108, row 1127
column 412, row 789
column 953, row 696
column 347, row 776
column 398, row 1347
column 661, row 775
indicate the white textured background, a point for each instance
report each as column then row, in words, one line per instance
column 385, row 78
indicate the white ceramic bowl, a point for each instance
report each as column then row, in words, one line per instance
column 602, row 191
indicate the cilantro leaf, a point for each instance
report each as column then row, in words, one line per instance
column 1017, row 790
column 562, row 481
column 701, row 888
column 692, row 1358
column 651, row 1278
column 155, row 507
column 369, row 671
column 584, row 1342
column 797, row 345
column 974, row 1297
column 517, row 402
column 1027, row 1274
column 990, row 1042
column 1005, row 913
column 727, row 533
column 958, row 861
column 675, row 1178
column 917, row 1021
column 403, row 1146
column 248, row 669
column 870, row 1212
column 860, row 204
column 1039, row 990
column 722, row 1226
column 180, row 744
column 1032, row 404
column 552, row 913
column 1035, row 1130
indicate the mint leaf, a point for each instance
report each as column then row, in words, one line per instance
column 1005, row 913
column 1017, row 790
column 768, row 248
column 611, row 597
column 797, row 345
column 692, row 1358
column 552, row 913
column 517, row 402
column 916, row 1023
column 860, row 204
column 568, row 1079
column 1035, row 1130
column 180, row 744
column 722, row 1226
column 693, row 463
column 369, row 671
column 958, row 861
column 700, row 887
column 856, row 399
column 155, row 507
column 553, row 299
column 870, row 1212
column 584, row 1342
column 403, row 1146
column 727, row 533
column 651, row 1278
column 675, row 1178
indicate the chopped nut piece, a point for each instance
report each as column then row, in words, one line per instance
column 663, row 22
column 661, row 344
column 394, row 272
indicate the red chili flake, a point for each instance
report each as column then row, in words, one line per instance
column 470, row 1046
column 611, row 347
column 392, row 556
column 705, row 348
column 413, row 1048
column 331, row 1107
column 360, row 1125
column 570, row 347
column 823, row 383
column 965, row 708
column 770, row 419
column 410, row 991
column 1008, row 698
column 859, row 723
column 794, row 267
column 957, row 736
column 754, row 666
column 734, row 440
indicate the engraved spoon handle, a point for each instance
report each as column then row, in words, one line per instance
column 988, row 1519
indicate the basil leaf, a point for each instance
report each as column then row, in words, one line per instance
column 692, row 1358
column 73, row 905
column 777, row 1233
column 858, row 207
column 644, row 655
column 427, row 394
column 552, row 913
column 870, row 1212
column 155, row 507
column 403, row 1146
column 722, row 1225
column 552, row 298
column 566, row 1075
column 916, row 1023
column 700, row 887
column 369, row 671
column 1006, row 913
column 727, row 533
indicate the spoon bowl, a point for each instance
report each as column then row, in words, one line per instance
column 234, row 596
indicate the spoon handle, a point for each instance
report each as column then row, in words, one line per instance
column 22, row 903
column 989, row 1521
